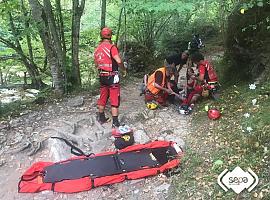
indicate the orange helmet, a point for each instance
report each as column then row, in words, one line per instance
column 214, row 114
column 106, row 33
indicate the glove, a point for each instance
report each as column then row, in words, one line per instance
column 124, row 73
column 125, row 70
column 125, row 64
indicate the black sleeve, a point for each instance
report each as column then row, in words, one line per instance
column 169, row 60
column 114, row 63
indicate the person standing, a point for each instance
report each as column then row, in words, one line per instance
column 195, row 44
column 177, row 61
column 108, row 61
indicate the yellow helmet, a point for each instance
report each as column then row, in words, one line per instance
column 151, row 105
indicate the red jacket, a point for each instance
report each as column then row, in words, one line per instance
column 208, row 71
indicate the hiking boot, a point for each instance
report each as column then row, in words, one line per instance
column 102, row 119
column 106, row 120
column 115, row 124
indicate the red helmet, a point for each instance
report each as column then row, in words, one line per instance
column 213, row 114
column 106, row 33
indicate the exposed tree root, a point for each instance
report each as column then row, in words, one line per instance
column 26, row 145
column 79, row 140
column 72, row 125
column 35, row 149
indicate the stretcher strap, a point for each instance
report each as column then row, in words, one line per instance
column 74, row 150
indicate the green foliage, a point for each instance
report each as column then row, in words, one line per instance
column 14, row 8
column 229, row 141
column 11, row 109
column 89, row 41
column 12, row 71
column 161, row 26
column 151, row 19
column 247, row 39
column 160, row 6
column 254, row 3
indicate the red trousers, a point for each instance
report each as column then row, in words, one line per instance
column 160, row 97
column 112, row 91
column 197, row 90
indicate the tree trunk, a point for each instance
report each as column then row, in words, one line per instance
column 119, row 24
column 125, row 28
column 103, row 14
column 1, row 77
column 76, row 19
column 62, row 39
column 223, row 19
column 28, row 62
column 40, row 17
column 28, row 37
column 39, row 83
column 25, row 78
column 53, row 30
column 61, row 26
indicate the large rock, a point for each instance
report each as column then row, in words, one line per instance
column 100, row 145
column 58, row 150
column 141, row 137
column 76, row 101
column 162, row 189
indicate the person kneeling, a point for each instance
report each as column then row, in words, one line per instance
column 158, row 85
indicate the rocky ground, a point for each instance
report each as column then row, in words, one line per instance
column 26, row 139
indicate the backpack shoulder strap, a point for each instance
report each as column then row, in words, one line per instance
column 114, row 63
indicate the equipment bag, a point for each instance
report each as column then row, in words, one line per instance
column 83, row 173
column 124, row 141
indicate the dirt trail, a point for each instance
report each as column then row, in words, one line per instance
column 78, row 122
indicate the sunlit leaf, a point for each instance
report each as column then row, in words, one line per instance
column 242, row 11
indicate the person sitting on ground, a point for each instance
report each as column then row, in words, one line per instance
column 207, row 77
column 158, row 85
column 191, row 80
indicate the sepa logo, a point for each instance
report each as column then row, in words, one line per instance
column 238, row 180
